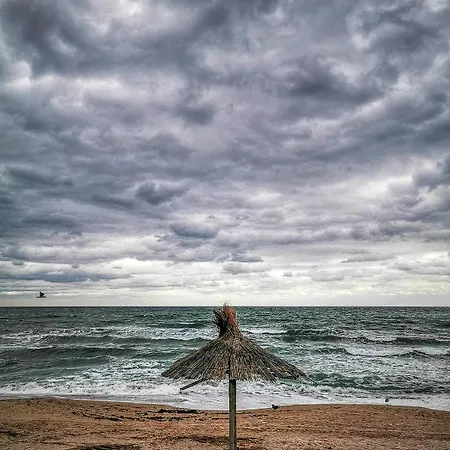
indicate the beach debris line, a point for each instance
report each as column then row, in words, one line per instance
column 179, row 411
column 231, row 355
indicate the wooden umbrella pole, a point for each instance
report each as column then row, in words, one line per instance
column 232, row 414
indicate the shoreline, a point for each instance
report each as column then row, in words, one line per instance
column 192, row 405
column 43, row 423
column 245, row 405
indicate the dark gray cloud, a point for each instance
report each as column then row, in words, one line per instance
column 227, row 146
column 367, row 257
column 30, row 178
column 55, row 222
column 112, row 202
column 61, row 276
column 194, row 230
column 156, row 194
column 246, row 258
column 236, row 268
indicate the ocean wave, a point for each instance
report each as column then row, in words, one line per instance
column 39, row 353
column 123, row 340
column 198, row 324
column 420, row 341
column 79, row 388
column 127, row 346
column 262, row 331
column 76, row 338
column 385, row 353
column 294, row 335
column 169, row 354
column 112, row 322
column 161, row 340
column 377, row 383
column 122, row 335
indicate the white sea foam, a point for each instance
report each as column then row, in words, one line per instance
column 212, row 395
column 263, row 330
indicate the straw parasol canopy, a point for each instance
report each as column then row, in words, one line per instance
column 231, row 355
column 234, row 356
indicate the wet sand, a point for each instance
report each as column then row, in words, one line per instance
column 55, row 424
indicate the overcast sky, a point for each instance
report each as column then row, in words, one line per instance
column 196, row 151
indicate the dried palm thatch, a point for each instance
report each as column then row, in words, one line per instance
column 231, row 355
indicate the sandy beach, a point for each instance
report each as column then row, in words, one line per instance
column 57, row 424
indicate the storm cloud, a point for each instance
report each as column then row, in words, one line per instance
column 190, row 152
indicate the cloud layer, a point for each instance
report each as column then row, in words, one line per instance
column 263, row 152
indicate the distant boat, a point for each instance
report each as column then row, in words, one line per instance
column 41, row 295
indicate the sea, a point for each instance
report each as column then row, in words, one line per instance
column 373, row 355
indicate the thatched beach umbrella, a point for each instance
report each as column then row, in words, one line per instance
column 234, row 356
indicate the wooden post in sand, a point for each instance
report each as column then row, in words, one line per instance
column 232, row 415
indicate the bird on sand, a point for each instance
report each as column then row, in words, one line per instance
column 275, row 407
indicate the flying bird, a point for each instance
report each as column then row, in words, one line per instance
column 41, row 295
